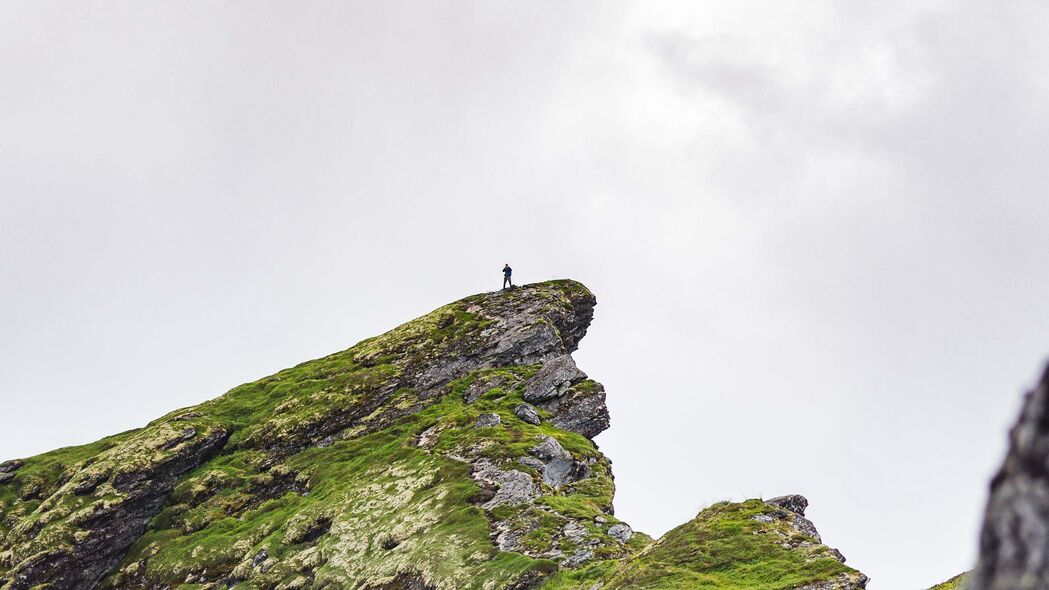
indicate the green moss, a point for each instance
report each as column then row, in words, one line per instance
column 392, row 506
column 336, row 475
column 726, row 547
column 50, row 469
column 955, row 583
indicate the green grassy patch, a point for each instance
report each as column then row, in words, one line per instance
column 725, row 547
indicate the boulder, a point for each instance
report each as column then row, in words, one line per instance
column 514, row 487
column 795, row 503
column 550, row 449
column 559, row 467
column 553, row 380
column 581, row 409
column 528, row 413
column 621, row 532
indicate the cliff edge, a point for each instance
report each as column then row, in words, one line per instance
column 452, row 452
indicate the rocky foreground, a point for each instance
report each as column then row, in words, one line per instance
column 1014, row 543
column 453, row 452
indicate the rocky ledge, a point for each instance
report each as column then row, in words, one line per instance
column 453, row 452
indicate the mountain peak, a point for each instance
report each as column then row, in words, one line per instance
column 452, row 452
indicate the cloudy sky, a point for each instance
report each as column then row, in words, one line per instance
column 816, row 230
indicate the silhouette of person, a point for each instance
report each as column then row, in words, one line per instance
column 507, row 271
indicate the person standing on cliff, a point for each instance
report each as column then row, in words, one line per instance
column 507, row 271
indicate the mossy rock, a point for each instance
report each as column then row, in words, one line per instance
column 359, row 470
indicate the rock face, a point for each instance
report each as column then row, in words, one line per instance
column 1014, row 543
column 453, row 452
column 528, row 413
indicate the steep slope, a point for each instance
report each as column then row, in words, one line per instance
column 1014, row 542
column 955, row 583
column 756, row 545
column 453, row 452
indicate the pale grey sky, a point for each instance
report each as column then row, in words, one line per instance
column 816, row 230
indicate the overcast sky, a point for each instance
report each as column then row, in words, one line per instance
column 816, row 230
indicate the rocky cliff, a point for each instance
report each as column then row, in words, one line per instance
column 1014, row 542
column 453, row 452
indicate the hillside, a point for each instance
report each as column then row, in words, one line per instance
column 452, row 452
column 955, row 583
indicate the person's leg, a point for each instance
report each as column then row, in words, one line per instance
column 505, row 279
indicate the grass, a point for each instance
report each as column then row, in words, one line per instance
column 375, row 490
column 725, row 547
column 324, row 482
column 955, row 583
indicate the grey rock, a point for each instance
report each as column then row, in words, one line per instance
column 559, row 468
column 82, row 565
column 842, row 582
column 1014, row 542
column 6, row 477
column 508, row 537
column 532, row 325
column 574, row 531
column 550, row 449
column 518, row 338
column 792, row 509
column 559, row 472
column 260, row 557
column 528, row 413
column 11, row 466
column 532, row 462
column 89, row 483
column 621, row 532
column 488, row 420
column 794, row 502
column 579, row 558
column 580, row 410
column 428, row 438
column 553, row 380
column 478, row 388
column 805, row 527
column 514, row 487
column 187, row 434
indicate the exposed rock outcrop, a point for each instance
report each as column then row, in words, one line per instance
column 1014, row 542
column 76, row 549
column 452, row 452
column 559, row 467
column 528, row 413
column 68, row 519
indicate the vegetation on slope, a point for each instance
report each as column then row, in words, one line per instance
column 749, row 545
column 413, row 460
column 955, row 583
